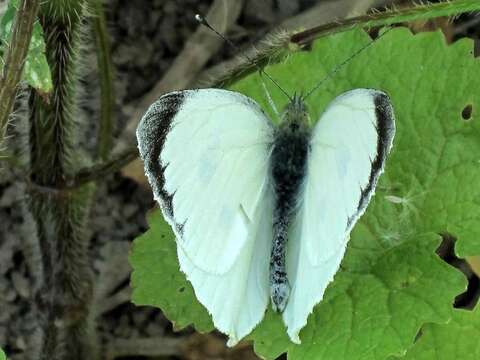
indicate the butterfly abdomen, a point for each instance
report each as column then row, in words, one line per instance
column 288, row 166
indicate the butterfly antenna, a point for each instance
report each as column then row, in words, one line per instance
column 205, row 23
column 343, row 63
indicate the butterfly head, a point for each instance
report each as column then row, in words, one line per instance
column 295, row 117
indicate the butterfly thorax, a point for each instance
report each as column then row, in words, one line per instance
column 288, row 167
column 295, row 118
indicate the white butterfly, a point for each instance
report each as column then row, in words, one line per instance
column 234, row 188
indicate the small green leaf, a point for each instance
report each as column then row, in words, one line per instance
column 456, row 340
column 2, row 355
column 391, row 282
column 157, row 273
column 36, row 71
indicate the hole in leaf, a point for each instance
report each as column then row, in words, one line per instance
column 181, row 290
column 446, row 251
column 467, row 112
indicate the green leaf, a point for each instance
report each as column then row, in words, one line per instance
column 391, row 282
column 157, row 273
column 375, row 314
column 36, row 71
column 456, row 340
column 2, row 355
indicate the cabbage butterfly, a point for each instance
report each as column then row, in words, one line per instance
column 235, row 188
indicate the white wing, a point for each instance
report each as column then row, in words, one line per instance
column 238, row 299
column 206, row 155
column 347, row 155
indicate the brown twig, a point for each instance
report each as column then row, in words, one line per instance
column 16, row 53
column 112, row 274
column 120, row 297
column 99, row 171
column 161, row 346
column 325, row 12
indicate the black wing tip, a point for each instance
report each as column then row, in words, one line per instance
column 151, row 134
column 160, row 112
column 386, row 131
column 156, row 122
column 384, row 108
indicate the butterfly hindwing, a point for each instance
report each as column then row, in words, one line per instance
column 347, row 154
column 206, row 155
column 238, row 299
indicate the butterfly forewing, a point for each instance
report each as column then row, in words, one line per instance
column 347, row 154
column 206, row 154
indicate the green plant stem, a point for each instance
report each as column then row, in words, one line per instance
column 100, row 171
column 417, row 12
column 16, row 53
column 64, row 293
column 105, row 71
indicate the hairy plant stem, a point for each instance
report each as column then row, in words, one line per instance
column 64, row 290
column 15, row 54
column 105, row 71
column 389, row 17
